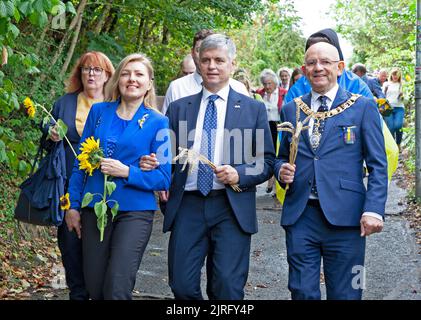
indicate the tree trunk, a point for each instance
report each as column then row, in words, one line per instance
column 113, row 22
column 139, row 33
column 165, row 34
column 75, row 20
column 148, row 30
column 103, row 18
column 63, row 42
column 72, row 47
column 42, row 37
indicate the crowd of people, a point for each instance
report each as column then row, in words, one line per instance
column 213, row 112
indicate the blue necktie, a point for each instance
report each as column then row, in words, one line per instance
column 323, row 107
column 207, row 146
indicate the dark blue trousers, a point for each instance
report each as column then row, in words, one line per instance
column 205, row 227
column 71, row 255
column 342, row 248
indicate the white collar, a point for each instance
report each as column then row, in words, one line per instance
column 223, row 93
column 331, row 94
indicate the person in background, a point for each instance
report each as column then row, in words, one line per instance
column 241, row 75
column 192, row 83
column 273, row 96
column 284, row 76
column 382, row 76
column 85, row 86
column 328, row 212
column 297, row 73
column 187, row 66
column 373, row 83
column 394, row 94
column 127, row 127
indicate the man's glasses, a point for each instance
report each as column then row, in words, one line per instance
column 97, row 71
column 323, row 62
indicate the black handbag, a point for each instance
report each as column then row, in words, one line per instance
column 39, row 199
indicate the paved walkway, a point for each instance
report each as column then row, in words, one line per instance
column 393, row 268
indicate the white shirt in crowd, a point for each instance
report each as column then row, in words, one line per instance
column 190, row 85
column 221, row 107
column 391, row 91
column 271, row 103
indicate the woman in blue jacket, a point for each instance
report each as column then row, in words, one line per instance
column 127, row 127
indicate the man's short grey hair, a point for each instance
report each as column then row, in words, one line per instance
column 269, row 74
column 216, row 41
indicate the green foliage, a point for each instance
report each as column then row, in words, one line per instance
column 17, row 132
column 409, row 141
column 381, row 32
column 88, row 197
column 272, row 40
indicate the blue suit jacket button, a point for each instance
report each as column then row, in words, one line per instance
column 316, row 158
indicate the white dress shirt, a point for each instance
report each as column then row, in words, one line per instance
column 315, row 103
column 190, row 85
column 221, row 107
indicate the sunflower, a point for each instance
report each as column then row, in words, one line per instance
column 65, row 202
column 29, row 106
column 90, row 156
column 31, row 111
column 28, row 103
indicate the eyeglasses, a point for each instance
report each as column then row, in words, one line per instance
column 323, row 62
column 97, row 71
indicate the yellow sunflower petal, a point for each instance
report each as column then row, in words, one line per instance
column 65, row 202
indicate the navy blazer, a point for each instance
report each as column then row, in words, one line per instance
column 245, row 116
column 65, row 109
column 134, row 193
column 337, row 166
column 374, row 85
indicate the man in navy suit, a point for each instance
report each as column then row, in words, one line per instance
column 206, row 217
column 328, row 211
column 373, row 83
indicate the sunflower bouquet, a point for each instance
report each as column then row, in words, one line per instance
column 385, row 108
column 90, row 160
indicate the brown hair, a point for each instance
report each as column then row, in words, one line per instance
column 201, row 35
column 90, row 58
column 295, row 72
column 112, row 91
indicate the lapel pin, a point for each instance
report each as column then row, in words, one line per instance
column 237, row 106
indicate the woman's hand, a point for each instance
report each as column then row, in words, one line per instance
column 114, row 168
column 148, row 162
column 54, row 134
column 164, row 195
column 72, row 218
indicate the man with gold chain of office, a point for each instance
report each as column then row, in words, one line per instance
column 328, row 211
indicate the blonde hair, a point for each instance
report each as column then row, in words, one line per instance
column 90, row 58
column 396, row 71
column 112, row 91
